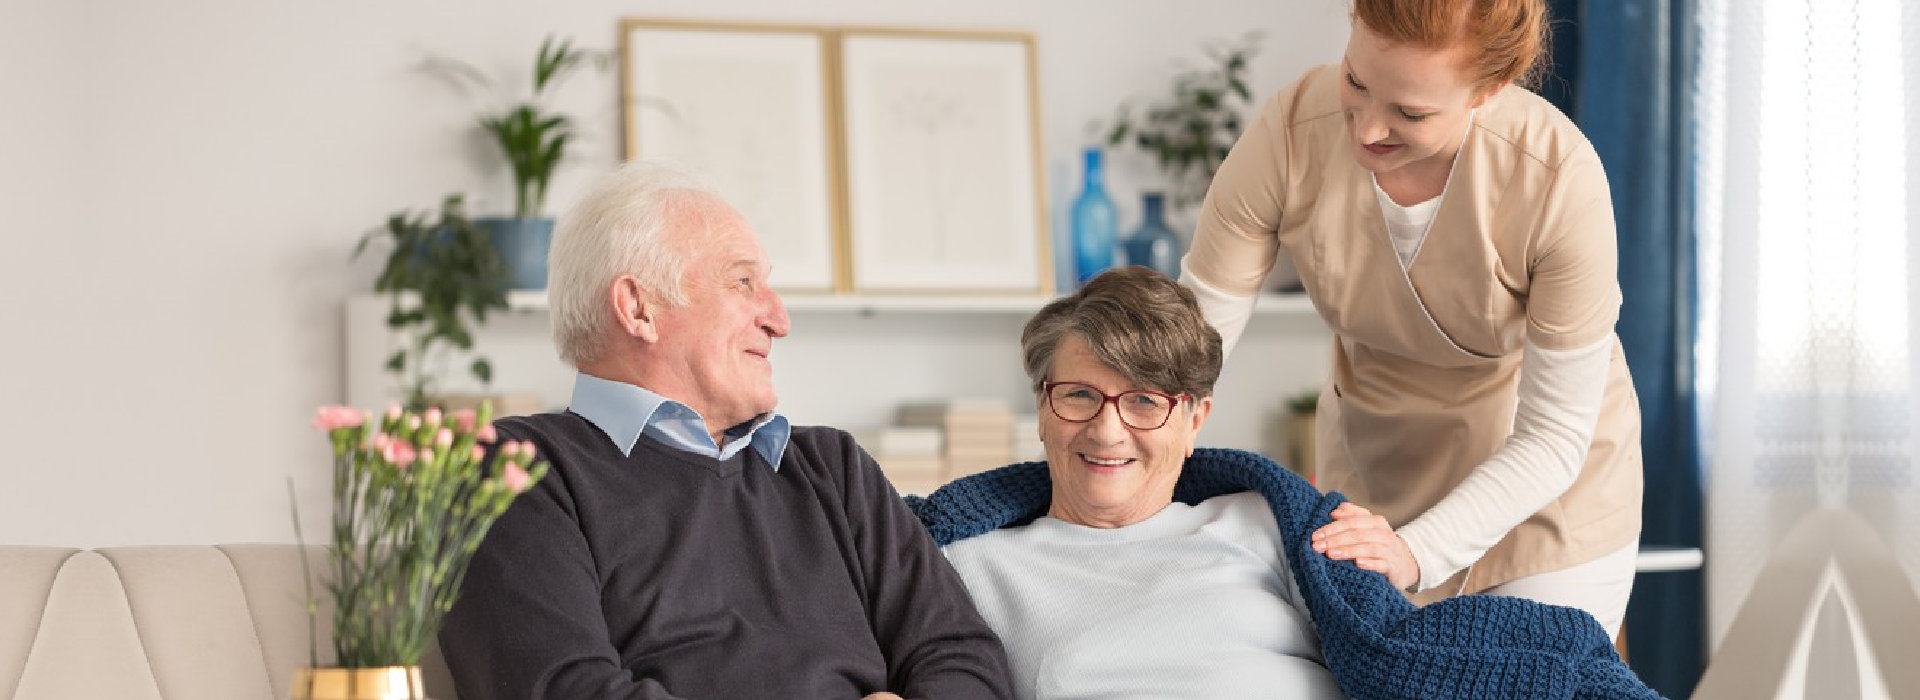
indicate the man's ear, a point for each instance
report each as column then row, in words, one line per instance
column 636, row 308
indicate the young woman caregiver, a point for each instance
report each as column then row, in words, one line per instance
column 1455, row 232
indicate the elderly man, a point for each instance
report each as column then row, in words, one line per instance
column 689, row 542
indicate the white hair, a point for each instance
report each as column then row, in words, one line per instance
column 624, row 225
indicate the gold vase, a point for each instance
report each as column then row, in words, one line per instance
column 388, row 683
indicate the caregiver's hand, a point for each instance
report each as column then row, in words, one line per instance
column 1359, row 535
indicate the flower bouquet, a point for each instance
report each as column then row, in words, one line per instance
column 413, row 495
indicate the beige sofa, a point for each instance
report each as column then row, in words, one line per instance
column 222, row 622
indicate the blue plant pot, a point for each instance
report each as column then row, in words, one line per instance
column 523, row 247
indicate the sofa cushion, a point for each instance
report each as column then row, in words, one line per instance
column 86, row 645
column 162, row 623
column 26, row 578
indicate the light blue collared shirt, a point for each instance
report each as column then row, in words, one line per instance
column 623, row 412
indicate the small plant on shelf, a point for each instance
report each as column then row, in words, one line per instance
column 1190, row 130
column 440, row 275
column 1304, row 403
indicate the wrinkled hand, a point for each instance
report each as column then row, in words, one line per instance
column 882, row 696
column 1357, row 534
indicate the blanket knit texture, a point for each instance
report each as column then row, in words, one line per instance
column 1377, row 644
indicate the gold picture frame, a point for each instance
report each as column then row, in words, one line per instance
column 868, row 191
column 942, row 153
column 752, row 105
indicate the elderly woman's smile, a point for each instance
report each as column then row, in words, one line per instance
column 1114, row 447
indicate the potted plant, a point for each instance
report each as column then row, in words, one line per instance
column 413, row 496
column 439, row 275
column 533, row 140
column 1190, row 130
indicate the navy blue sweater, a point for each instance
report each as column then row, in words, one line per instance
column 1377, row 643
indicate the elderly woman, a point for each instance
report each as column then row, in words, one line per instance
column 1119, row 591
column 1131, row 565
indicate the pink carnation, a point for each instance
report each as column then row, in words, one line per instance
column 433, row 416
column 487, row 435
column 515, row 479
column 399, row 453
column 336, row 417
column 463, row 420
column 443, row 439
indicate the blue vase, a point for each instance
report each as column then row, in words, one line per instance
column 1096, row 226
column 523, row 247
column 1153, row 244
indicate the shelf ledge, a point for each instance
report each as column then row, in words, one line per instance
column 868, row 304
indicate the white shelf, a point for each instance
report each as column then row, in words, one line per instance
column 857, row 357
column 868, row 304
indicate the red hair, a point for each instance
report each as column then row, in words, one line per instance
column 1503, row 39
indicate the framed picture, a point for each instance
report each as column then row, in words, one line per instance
column 748, row 104
column 942, row 160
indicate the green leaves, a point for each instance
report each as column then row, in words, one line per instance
column 411, row 502
column 534, row 145
column 441, row 273
column 533, row 140
column 1190, row 130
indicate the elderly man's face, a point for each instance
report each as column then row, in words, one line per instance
column 1106, row 474
column 722, row 338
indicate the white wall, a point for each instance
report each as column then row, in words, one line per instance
column 182, row 183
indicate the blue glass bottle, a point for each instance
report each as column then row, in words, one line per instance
column 1153, row 244
column 1096, row 226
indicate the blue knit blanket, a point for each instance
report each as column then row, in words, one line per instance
column 1377, row 644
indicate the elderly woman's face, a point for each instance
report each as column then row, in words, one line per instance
column 1105, row 473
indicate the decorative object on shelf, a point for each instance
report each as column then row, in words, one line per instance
column 942, row 133
column 1153, row 245
column 749, row 105
column 1096, row 225
column 534, row 141
column 523, row 244
column 439, row 274
column 1190, row 131
column 412, row 499
column 1302, row 409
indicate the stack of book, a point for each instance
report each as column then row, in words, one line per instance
column 910, row 455
column 978, row 431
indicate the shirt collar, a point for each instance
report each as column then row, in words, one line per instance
column 624, row 411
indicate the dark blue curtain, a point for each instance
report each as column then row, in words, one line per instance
column 1624, row 70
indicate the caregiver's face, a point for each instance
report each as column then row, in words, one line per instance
column 1404, row 104
column 1107, row 473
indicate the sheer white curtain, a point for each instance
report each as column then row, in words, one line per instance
column 1806, row 203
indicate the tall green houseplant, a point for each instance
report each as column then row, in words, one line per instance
column 534, row 141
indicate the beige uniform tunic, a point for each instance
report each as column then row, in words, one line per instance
column 1427, row 358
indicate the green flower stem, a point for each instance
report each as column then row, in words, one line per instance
column 403, row 536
